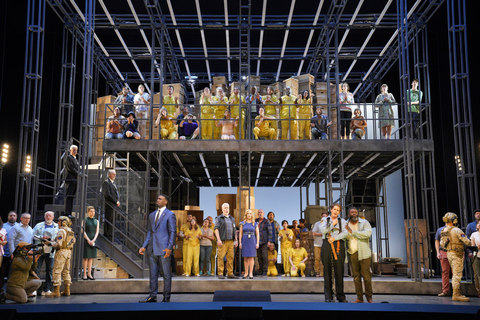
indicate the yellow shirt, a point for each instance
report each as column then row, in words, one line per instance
column 166, row 123
column 206, row 107
column 194, row 241
column 272, row 255
column 297, row 255
column 234, row 108
column 305, row 106
column 270, row 107
column 183, row 228
column 285, row 242
column 264, row 126
column 288, row 103
column 169, row 104
column 220, row 106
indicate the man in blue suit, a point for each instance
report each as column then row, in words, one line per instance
column 159, row 245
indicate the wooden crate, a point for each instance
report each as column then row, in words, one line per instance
column 277, row 88
column 253, row 80
column 109, row 263
column 192, row 208
column 110, row 273
column 219, row 80
column 225, row 198
column 99, row 262
column 122, row 273
column 291, row 83
column 181, row 217
column 99, row 273
column 305, row 82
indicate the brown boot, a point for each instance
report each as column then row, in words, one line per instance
column 458, row 297
column 66, row 292
column 55, row 293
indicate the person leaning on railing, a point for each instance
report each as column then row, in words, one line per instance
column 124, row 101
column 319, row 124
column 358, row 125
column 114, row 129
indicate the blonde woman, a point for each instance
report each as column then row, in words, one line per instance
column 249, row 237
column 285, row 236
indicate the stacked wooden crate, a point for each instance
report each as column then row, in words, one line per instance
column 219, row 81
column 100, row 123
column 231, row 199
column 322, row 99
column 305, row 82
column 105, row 267
column 291, row 83
column 277, row 89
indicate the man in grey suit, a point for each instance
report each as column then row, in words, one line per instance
column 159, row 244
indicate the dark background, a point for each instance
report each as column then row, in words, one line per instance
column 12, row 53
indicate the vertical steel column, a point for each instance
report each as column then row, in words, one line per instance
column 409, row 159
column 244, row 26
column 462, row 111
column 31, row 103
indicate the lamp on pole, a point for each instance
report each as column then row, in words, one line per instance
column 3, row 162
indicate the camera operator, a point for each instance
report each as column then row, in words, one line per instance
column 22, row 281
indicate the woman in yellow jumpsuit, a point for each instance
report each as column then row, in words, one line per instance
column 234, row 102
column 221, row 104
column 171, row 103
column 263, row 126
column 272, row 259
column 270, row 102
column 304, row 115
column 297, row 257
column 289, row 114
column 193, row 234
column 167, row 126
column 285, row 235
column 206, row 126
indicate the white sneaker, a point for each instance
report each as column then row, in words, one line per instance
column 48, row 292
column 288, row 274
column 303, row 276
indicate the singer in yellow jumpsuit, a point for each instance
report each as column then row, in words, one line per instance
column 220, row 102
column 286, row 236
column 297, row 258
column 270, row 102
column 272, row 259
column 234, row 101
column 304, row 115
column 288, row 113
column 193, row 249
column 207, row 110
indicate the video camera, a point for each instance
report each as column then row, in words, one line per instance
column 23, row 251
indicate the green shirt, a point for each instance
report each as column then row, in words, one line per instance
column 415, row 96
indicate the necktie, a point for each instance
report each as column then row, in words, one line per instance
column 157, row 217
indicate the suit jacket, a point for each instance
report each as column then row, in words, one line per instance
column 110, row 192
column 162, row 235
column 72, row 167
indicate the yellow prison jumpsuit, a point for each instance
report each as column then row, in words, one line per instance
column 264, row 129
column 169, row 104
column 285, row 246
column 289, row 111
column 305, row 113
column 219, row 110
column 272, row 269
column 206, row 126
column 235, row 112
column 167, row 128
column 193, row 252
column 271, row 110
column 297, row 256
column 183, row 228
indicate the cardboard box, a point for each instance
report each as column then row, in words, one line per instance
column 110, row 273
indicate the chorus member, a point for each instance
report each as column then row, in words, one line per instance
column 384, row 102
column 90, row 235
column 124, row 101
column 112, row 201
column 297, row 257
column 226, row 235
column 254, row 100
column 130, row 128
column 358, row 125
column 288, row 114
column 214, row 245
column 271, row 104
column 189, row 126
column 7, row 260
column 182, row 235
column 266, row 233
column 46, row 230
column 180, row 117
column 317, row 246
column 193, row 235
column 72, row 168
column 471, row 227
column 114, row 129
column 302, row 225
column 453, row 240
column 414, row 99
column 170, row 102
column 234, row 101
column 475, row 239
column 285, row 237
column 220, row 101
column 275, row 228
column 345, row 101
column 272, row 261
column 3, row 242
column 142, row 106
column 296, row 231
column 359, row 254
column 207, row 110
column 333, row 252
column 305, row 101
column 249, row 242
column 159, row 245
column 227, row 125
column 263, row 126
column 206, row 247
column 319, row 125
column 21, row 232
column 446, row 270
column 167, row 125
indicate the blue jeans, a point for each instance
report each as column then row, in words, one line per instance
column 157, row 263
column 205, row 252
column 110, row 135
column 319, row 134
column 357, row 134
column 48, row 270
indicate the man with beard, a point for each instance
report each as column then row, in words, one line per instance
column 359, row 254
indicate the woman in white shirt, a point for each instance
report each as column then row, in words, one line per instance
column 142, row 105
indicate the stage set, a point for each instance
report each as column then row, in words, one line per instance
column 185, row 46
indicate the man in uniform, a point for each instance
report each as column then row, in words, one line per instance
column 63, row 244
column 453, row 240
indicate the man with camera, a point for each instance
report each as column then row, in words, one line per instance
column 21, row 232
column 22, row 282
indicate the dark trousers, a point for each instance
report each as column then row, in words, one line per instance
column 48, row 270
column 158, row 263
column 346, row 118
column 329, row 264
column 70, row 191
column 361, row 269
column 415, row 124
column 4, row 270
column 262, row 255
column 108, row 223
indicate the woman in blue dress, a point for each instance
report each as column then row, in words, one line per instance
column 249, row 238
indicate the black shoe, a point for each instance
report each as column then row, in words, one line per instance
column 342, row 300
column 166, row 300
column 264, row 274
column 328, row 300
column 232, row 276
column 221, row 277
column 90, row 278
column 149, row 299
column 2, row 298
